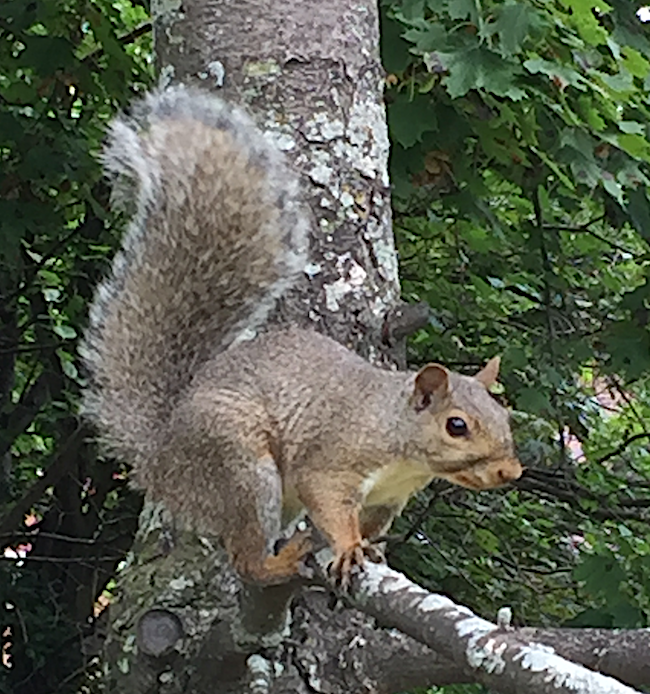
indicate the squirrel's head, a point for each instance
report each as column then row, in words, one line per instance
column 463, row 432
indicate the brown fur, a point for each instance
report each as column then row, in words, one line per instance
column 336, row 435
column 235, row 436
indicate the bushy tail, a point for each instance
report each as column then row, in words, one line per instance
column 216, row 237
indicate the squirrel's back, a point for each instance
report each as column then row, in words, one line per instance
column 216, row 237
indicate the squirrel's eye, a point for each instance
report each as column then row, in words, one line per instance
column 457, row 427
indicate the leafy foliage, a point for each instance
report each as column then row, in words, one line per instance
column 520, row 168
column 64, row 67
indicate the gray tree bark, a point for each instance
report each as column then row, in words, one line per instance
column 309, row 72
column 496, row 656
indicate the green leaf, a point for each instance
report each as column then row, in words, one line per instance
column 409, row 119
column 620, row 83
column 635, row 63
column 627, row 616
column 515, row 357
column 601, row 574
column 457, row 9
column 427, row 37
column 412, row 9
column 629, row 347
column 591, row 617
column 514, row 19
column 578, row 152
column 558, row 73
column 49, row 277
column 554, row 167
column 590, row 113
column 632, row 127
column 67, row 332
column 613, row 187
column 394, row 49
column 638, row 207
column 47, row 54
column 635, row 145
column 583, row 17
column 533, row 400
column 487, row 540
column 480, row 68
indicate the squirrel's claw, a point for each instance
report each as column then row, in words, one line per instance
column 351, row 561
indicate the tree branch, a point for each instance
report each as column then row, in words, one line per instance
column 356, row 657
column 27, row 408
column 498, row 657
column 124, row 40
column 622, row 447
column 568, row 490
column 584, row 229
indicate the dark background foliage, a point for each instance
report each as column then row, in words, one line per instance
column 65, row 66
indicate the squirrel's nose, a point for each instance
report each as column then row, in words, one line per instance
column 510, row 469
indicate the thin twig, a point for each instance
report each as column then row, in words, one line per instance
column 619, row 449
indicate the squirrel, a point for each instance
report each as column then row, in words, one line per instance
column 234, row 429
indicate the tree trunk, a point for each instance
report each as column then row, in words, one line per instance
column 309, row 72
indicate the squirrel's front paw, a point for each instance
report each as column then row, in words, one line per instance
column 351, row 560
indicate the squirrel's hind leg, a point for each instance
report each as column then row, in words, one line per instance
column 253, row 522
column 222, row 477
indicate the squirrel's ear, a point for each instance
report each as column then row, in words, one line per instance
column 489, row 374
column 432, row 381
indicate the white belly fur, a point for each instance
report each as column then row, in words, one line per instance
column 394, row 484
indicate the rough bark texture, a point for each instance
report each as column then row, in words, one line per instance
column 497, row 656
column 310, row 74
column 621, row 653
